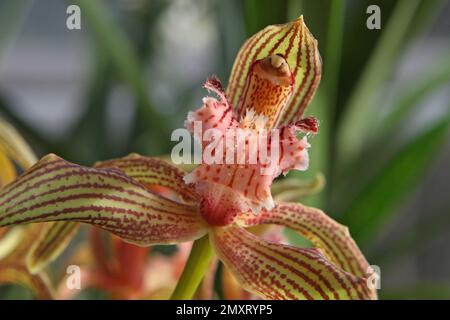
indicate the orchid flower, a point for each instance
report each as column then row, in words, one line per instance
column 231, row 289
column 274, row 77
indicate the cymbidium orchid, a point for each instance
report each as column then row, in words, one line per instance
column 231, row 289
column 274, row 77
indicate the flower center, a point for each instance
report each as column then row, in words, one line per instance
column 268, row 88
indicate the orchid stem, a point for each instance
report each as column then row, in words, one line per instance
column 195, row 269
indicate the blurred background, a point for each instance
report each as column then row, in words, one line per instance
column 124, row 81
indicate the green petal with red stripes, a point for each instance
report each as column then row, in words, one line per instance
column 277, row 271
column 326, row 234
column 295, row 42
column 153, row 172
column 57, row 190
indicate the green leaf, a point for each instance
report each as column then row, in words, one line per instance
column 410, row 242
column 408, row 98
column 261, row 13
column 324, row 105
column 434, row 291
column 359, row 110
column 425, row 14
column 114, row 41
column 378, row 200
column 12, row 15
column 346, row 186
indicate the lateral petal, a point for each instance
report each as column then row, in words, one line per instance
column 153, row 172
column 57, row 190
column 277, row 271
column 331, row 237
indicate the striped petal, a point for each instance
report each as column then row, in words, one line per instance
column 153, row 173
column 57, row 190
column 297, row 45
column 331, row 237
column 232, row 290
column 277, row 271
column 53, row 239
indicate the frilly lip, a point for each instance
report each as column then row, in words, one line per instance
column 228, row 189
column 220, row 204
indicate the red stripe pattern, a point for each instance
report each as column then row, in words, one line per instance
column 277, row 271
column 326, row 234
column 295, row 42
column 57, row 190
column 153, row 172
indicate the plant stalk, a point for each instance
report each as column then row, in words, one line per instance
column 195, row 269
